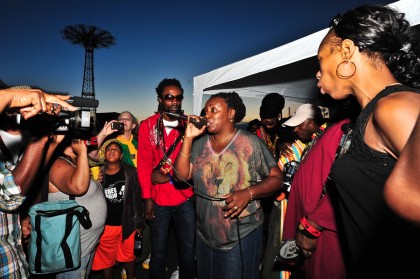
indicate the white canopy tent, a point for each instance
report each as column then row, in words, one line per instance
column 289, row 69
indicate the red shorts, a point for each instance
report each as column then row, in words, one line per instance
column 112, row 249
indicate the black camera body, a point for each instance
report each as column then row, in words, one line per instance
column 82, row 120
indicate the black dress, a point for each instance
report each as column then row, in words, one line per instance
column 376, row 243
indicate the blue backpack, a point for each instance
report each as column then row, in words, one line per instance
column 55, row 236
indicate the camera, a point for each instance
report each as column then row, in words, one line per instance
column 82, row 120
column 117, row 126
column 81, row 123
column 289, row 171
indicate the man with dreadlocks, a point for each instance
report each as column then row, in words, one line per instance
column 270, row 113
column 159, row 141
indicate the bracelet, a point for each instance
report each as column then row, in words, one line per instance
column 185, row 155
column 251, row 194
column 306, row 233
column 304, row 227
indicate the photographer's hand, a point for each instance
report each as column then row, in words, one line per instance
column 79, row 147
column 101, row 136
column 106, row 131
column 31, row 101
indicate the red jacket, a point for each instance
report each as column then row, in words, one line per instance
column 149, row 156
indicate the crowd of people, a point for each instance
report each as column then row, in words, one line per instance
column 342, row 192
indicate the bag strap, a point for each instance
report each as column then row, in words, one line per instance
column 169, row 152
column 84, row 218
column 64, row 245
column 38, row 244
column 342, row 148
column 82, row 215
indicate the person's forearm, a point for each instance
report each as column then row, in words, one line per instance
column 182, row 161
column 27, row 169
column 266, row 187
column 80, row 179
column 100, row 137
column 6, row 98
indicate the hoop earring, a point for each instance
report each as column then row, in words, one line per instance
column 346, row 62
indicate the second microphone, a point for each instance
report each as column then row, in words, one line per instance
column 197, row 123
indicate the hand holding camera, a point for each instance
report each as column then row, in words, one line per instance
column 117, row 126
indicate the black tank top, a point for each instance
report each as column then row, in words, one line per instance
column 369, row 230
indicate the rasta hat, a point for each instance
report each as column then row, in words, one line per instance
column 271, row 105
column 112, row 141
column 101, row 151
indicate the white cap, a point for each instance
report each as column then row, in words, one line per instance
column 302, row 113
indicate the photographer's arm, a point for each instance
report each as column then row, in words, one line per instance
column 30, row 102
column 101, row 136
column 27, row 169
column 70, row 179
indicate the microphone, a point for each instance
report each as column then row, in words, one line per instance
column 197, row 123
column 83, row 102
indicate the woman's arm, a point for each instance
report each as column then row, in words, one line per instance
column 68, row 179
column 101, row 136
column 402, row 188
column 182, row 162
column 238, row 200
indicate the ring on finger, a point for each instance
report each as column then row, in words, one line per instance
column 235, row 207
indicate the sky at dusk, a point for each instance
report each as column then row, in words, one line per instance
column 154, row 40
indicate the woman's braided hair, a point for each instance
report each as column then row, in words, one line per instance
column 233, row 100
column 383, row 33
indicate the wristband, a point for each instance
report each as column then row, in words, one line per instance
column 307, row 229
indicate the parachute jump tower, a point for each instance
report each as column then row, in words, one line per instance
column 91, row 38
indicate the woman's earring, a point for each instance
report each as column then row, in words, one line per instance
column 343, row 64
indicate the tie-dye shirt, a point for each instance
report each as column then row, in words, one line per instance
column 245, row 160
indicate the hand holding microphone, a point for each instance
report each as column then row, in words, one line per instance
column 198, row 123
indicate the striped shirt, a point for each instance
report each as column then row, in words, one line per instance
column 12, row 257
column 296, row 149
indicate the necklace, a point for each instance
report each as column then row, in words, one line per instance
column 225, row 139
column 67, row 159
column 392, row 84
column 315, row 137
column 267, row 139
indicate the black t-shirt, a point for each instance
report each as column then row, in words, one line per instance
column 114, row 193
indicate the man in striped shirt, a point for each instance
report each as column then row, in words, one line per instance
column 16, row 180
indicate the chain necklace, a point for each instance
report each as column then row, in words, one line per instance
column 225, row 139
column 392, row 84
column 267, row 139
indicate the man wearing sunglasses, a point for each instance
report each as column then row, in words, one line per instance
column 159, row 142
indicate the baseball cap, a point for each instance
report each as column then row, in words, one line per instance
column 302, row 113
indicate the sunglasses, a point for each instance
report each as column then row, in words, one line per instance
column 171, row 97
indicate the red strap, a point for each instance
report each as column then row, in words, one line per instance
column 309, row 228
